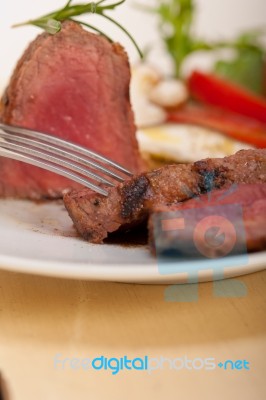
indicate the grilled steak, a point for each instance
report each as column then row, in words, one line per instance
column 131, row 202
column 75, row 85
column 244, row 210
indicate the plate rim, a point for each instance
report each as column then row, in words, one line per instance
column 115, row 270
column 101, row 272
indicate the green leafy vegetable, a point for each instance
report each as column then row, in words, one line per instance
column 175, row 26
column 247, row 66
column 176, row 23
column 51, row 22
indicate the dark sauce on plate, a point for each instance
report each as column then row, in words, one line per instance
column 136, row 237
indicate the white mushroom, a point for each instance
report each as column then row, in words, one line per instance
column 169, row 93
column 148, row 114
column 144, row 78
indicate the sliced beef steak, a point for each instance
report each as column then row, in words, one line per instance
column 131, row 202
column 242, row 219
column 74, row 85
column 127, row 204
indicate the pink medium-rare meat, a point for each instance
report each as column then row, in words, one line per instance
column 131, row 202
column 74, row 85
column 244, row 207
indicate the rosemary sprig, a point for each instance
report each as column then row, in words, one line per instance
column 51, row 22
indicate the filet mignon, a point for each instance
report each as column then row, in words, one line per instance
column 74, row 85
column 131, row 202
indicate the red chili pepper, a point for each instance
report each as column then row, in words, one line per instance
column 234, row 125
column 215, row 91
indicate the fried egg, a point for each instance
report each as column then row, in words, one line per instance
column 185, row 143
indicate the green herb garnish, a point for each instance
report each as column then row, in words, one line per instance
column 51, row 22
column 176, row 27
column 176, row 19
column 247, row 66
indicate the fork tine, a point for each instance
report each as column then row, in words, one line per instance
column 50, row 167
column 64, row 144
column 55, row 160
column 22, row 144
column 59, row 152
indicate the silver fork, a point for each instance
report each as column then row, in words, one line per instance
column 60, row 156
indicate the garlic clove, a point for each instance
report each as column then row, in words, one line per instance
column 169, row 93
column 144, row 78
column 147, row 114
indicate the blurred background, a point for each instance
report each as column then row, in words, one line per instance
column 168, row 32
column 216, row 19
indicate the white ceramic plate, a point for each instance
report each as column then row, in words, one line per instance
column 40, row 239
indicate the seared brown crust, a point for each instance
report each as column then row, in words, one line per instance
column 95, row 215
column 131, row 202
column 246, row 166
column 133, row 194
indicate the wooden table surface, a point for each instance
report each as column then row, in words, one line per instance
column 44, row 318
